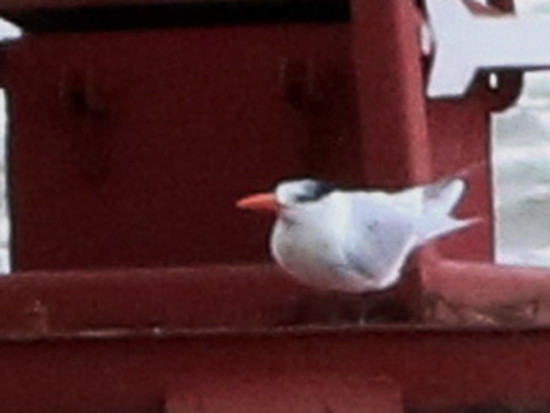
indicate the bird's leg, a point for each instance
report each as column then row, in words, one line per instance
column 345, row 308
column 364, row 307
column 440, row 304
column 326, row 308
column 535, row 308
column 429, row 310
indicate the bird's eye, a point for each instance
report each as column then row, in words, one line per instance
column 304, row 198
column 302, row 191
column 314, row 191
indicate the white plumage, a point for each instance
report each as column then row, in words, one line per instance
column 356, row 241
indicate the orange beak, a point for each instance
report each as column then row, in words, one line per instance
column 259, row 202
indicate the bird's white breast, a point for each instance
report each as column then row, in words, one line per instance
column 310, row 248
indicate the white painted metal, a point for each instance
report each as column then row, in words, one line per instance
column 464, row 43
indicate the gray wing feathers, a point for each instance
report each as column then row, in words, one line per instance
column 440, row 199
column 443, row 196
column 389, row 227
column 433, row 204
column 381, row 242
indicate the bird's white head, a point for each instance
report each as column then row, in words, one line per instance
column 287, row 195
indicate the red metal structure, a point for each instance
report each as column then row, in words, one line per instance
column 135, row 125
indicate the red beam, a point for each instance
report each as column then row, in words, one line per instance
column 432, row 368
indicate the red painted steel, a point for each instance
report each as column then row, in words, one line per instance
column 38, row 304
column 127, row 148
column 467, row 292
column 289, row 392
column 133, row 374
column 136, row 145
column 392, row 105
column 124, row 148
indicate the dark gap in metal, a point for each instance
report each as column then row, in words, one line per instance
column 150, row 16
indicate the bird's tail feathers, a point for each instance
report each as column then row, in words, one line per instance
column 434, row 204
column 435, row 226
column 441, row 197
column 438, row 198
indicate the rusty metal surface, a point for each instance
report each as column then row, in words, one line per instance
column 470, row 293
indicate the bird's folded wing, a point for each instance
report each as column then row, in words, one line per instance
column 381, row 238
column 439, row 197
